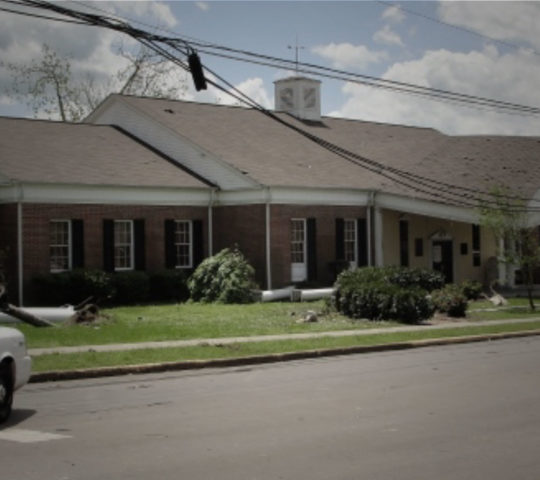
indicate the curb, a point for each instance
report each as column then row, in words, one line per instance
column 60, row 375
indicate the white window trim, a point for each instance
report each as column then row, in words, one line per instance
column 190, row 263
column 70, row 245
column 131, row 250
column 354, row 262
column 304, row 241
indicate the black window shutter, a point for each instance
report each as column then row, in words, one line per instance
column 198, row 242
column 108, row 245
column 311, row 249
column 404, row 243
column 362, row 242
column 340, row 239
column 476, row 238
column 138, row 234
column 170, row 253
column 77, row 243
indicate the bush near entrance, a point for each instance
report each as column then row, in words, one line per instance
column 387, row 293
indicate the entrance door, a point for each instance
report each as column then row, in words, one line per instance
column 298, row 250
column 443, row 259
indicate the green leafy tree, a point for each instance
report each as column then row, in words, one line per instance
column 505, row 214
column 49, row 86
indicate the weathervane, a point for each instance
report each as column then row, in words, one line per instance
column 296, row 48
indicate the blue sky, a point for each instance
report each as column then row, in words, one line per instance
column 391, row 40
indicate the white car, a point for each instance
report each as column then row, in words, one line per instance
column 15, row 365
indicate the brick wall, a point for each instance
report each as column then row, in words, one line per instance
column 243, row 226
column 36, row 218
column 325, row 217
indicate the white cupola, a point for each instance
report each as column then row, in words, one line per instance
column 299, row 96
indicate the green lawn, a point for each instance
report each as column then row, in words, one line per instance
column 57, row 362
column 191, row 320
column 188, row 321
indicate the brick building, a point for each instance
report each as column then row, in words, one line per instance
column 152, row 184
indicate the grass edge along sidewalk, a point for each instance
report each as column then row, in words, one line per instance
column 222, row 353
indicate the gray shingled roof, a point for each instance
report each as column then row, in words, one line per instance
column 276, row 156
column 64, row 153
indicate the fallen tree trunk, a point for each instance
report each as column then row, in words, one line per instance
column 20, row 313
column 24, row 316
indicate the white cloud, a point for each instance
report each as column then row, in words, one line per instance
column 150, row 12
column 346, row 55
column 387, row 36
column 92, row 51
column 507, row 21
column 393, row 14
column 204, row 6
column 509, row 77
column 254, row 89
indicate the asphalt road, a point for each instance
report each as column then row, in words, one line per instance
column 457, row 412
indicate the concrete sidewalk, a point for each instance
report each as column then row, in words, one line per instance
column 266, row 338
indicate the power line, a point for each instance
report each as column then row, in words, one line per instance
column 456, row 27
column 431, row 93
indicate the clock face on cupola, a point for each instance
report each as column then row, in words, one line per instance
column 299, row 96
column 286, row 97
column 310, row 98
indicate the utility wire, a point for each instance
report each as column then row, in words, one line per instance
column 427, row 186
column 473, row 101
column 456, row 27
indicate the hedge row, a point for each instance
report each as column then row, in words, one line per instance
column 408, row 295
column 387, row 293
column 121, row 288
column 226, row 278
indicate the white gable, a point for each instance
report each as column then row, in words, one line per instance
column 206, row 164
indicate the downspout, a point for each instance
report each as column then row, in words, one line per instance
column 371, row 200
column 378, row 236
column 211, row 204
column 268, row 237
column 20, row 246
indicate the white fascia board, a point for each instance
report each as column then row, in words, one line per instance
column 426, row 208
column 293, row 196
column 173, row 144
column 112, row 195
column 9, row 193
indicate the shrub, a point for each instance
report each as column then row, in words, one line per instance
column 428, row 280
column 169, row 285
column 130, row 287
column 226, row 277
column 450, row 300
column 384, row 301
column 388, row 293
column 71, row 287
column 471, row 289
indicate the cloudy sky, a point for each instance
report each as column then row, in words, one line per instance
column 490, row 49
